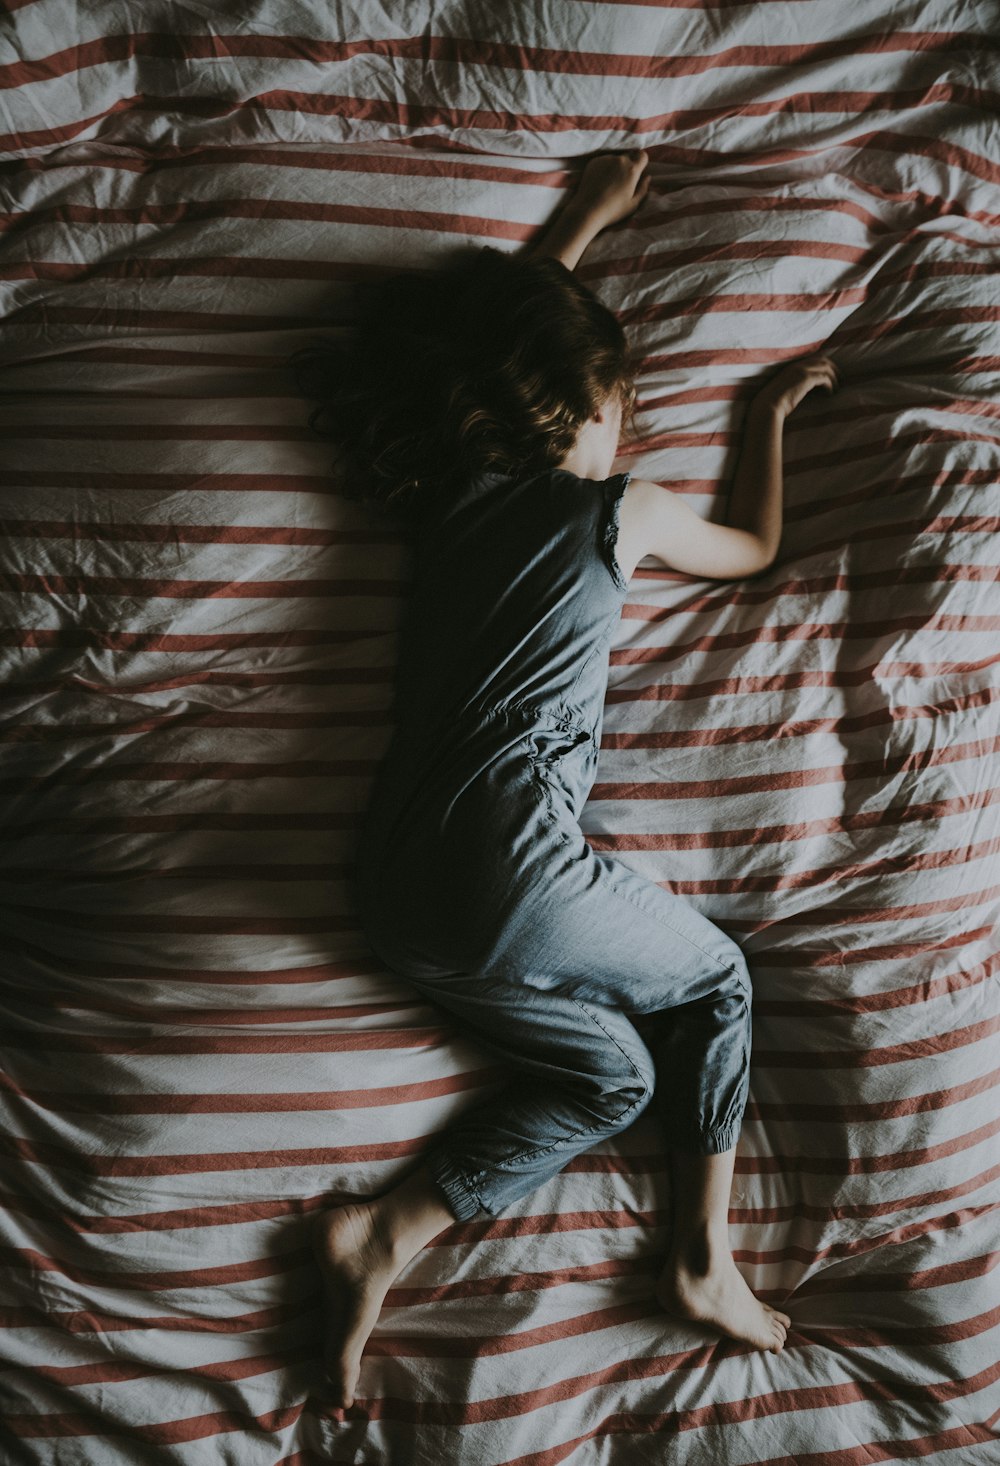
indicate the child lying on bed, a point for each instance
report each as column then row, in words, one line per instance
column 485, row 399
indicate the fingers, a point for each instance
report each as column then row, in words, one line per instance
column 823, row 368
column 615, row 184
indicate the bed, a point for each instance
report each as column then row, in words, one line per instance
column 199, row 1052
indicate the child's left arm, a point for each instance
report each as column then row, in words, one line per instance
column 655, row 521
column 611, row 186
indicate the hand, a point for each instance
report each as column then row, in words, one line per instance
column 785, row 391
column 612, row 186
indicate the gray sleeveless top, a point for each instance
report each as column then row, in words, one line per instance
column 500, row 687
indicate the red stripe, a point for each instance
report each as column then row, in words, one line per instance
column 406, row 163
column 158, row 432
column 868, row 1245
column 785, row 681
column 57, row 1157
column 185, row 772
column 830, row 875
column 100, row 484
column 649, row 1266
column 202, row 718
column 894, row 1109
column 49, row 1040
column 901, row 1053
column 118, row 1372
column 420, row 117
column 465, row 1233
column 839, row 911
column 722, row 736
column 146, row 641
column 347, row 968
column 37, row 312
column 100, row 532
column 942, row 1276
column 884, row 769
column 75, row 1001
column 93, row 1422
column 155, row 923
column 863, row 1165
column 183, row 47
column 65, row 1102
column 665, row 1424
column 226, row 1215
column 860, row 1211
column 961, row 979
column 93, row 1321
column 632, row 1370
column 266, row 871
column 269, row 872
column 307, row 677
column 86, row 585
column 956, row 1437
column 222, row 1276
column 82, row 827
column 908, row 762
column 168, row 267
column 830, row 631
column 894, row 951
column 712, row 602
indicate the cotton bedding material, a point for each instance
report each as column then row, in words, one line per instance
column 199, row 1052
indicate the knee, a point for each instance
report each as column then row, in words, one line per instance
column 627, row 1093
column 734, row 997
column 738, row 984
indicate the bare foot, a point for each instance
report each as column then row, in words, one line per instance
column 358, row 1269
column 714, row 1292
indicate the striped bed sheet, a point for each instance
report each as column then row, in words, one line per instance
column 198, row 634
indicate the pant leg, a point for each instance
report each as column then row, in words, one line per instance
column 584, row 1075
column 595, row 943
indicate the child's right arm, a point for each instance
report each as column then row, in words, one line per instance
column 655, row 521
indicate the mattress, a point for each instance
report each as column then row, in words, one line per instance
column 199, row 1051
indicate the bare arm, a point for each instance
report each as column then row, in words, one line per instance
column 611, row 186
column 657, row 522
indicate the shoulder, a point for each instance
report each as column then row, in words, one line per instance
column 641, row 505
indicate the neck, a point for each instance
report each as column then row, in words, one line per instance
column 586, row 462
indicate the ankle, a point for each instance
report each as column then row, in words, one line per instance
column 408, row 1217
column 700, row 1247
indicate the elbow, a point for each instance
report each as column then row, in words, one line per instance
column 762, row 560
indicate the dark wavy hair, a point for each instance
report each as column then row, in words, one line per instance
column 487, row 363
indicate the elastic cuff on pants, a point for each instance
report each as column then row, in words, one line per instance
column 464, row 1203
column 709, row 1142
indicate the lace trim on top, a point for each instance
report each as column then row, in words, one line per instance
column 614, row 491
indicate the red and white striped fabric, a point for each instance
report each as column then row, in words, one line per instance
column 199, row 1052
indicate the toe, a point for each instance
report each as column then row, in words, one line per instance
column 342, row 1375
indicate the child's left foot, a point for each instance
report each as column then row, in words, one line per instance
column 714, row 1292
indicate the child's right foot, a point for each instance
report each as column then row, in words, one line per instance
column 358, row 1270
column 714, row 1292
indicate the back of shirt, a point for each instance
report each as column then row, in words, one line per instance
column 499, row 701
column 515, row 584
